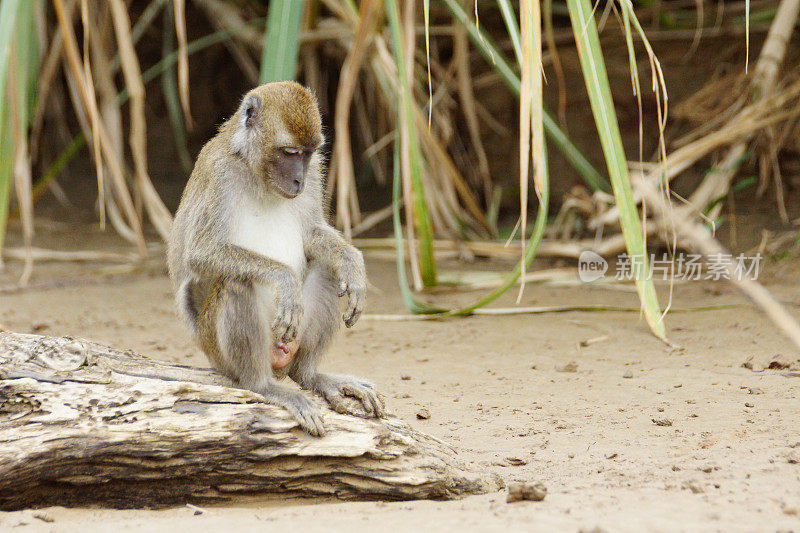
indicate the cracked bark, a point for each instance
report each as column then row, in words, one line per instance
column 82, row 423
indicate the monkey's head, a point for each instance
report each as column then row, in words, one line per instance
column 278, row 130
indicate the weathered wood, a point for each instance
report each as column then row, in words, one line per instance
column 82, row 423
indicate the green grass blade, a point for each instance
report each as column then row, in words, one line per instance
column 418, row 307
column 422, row 221
column 6, row 168
column 351, row 6
column 9, row 10
column 169, row 60
column 142, row 25
column 426, row 8
column 413, row 305
column 169, row 86
column 484, row 44
column 28, row 59
column 26, row 62
column 61, row 161
column 596, row 79
column 279, row 57
column 510, row 18
column 530, row 252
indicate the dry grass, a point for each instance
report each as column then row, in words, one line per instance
column 407, row 80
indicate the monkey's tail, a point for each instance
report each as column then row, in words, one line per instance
column 187, row 304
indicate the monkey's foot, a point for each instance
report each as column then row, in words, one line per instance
column 336, row 388
column 301, row 407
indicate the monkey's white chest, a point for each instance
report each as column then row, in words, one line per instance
column 271, row 230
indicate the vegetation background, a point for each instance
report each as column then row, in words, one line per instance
column 105, row 103
column 492, row 129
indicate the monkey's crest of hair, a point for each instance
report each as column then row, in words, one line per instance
column 274, row 115
column 299, row 112
column 294, row 106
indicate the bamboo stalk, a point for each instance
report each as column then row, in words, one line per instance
column 157, row 211
column 342, row 163
column 597, row 85
column 99, row 134
column 179, row 8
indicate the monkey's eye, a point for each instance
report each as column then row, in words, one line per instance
column 288, row 150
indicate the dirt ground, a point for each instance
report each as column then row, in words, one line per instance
column 728, row 461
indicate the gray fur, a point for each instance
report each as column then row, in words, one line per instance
column 220, row 285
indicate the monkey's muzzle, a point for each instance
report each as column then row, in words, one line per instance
column 291, row 189
column 291, row 175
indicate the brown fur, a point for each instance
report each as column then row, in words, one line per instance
column 264, row 164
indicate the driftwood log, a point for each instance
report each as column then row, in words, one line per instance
column 82, row 423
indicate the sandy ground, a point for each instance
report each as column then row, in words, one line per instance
column 728, row 461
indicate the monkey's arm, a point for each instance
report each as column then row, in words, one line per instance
column 328, row 247
column 226, row 260
column 232, row 261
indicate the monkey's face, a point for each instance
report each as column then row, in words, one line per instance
column 288, row 170
column 279, row 132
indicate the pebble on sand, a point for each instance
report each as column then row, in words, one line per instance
column 526, row 491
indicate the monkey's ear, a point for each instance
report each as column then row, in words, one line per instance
column 252, row 106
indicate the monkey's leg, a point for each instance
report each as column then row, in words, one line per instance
column 319, row 324
column 244, row 341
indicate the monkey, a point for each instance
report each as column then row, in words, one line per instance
column 256, row 268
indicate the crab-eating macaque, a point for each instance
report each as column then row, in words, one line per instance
column 257, row 270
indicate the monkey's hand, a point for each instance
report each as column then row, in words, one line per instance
column 353, row 283
column 335, row 388
column 288, row 305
